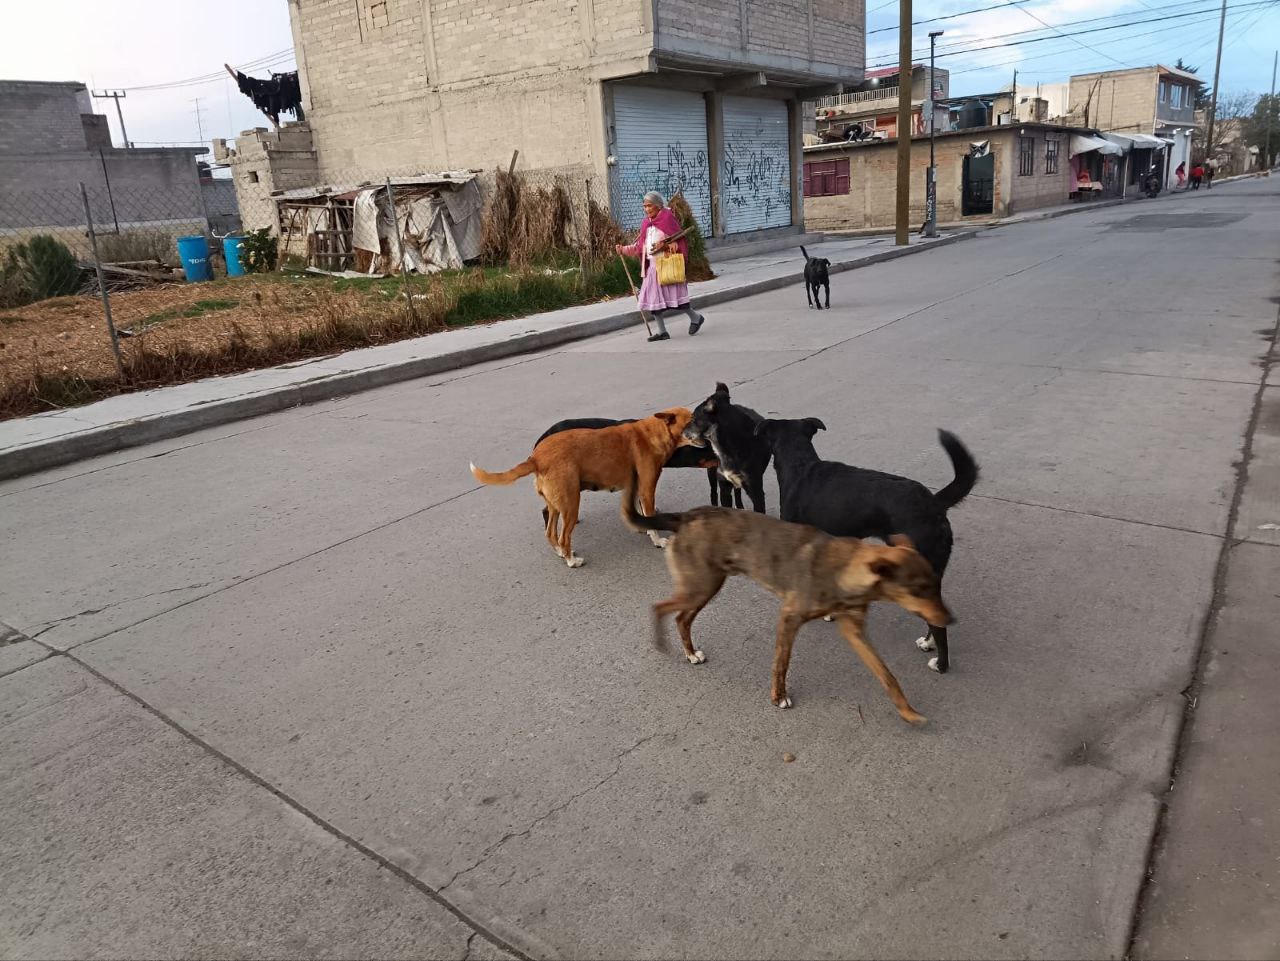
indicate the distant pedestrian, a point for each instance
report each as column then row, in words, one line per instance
column 1197, row 176
column 1182, row 174
column 1208, row 176
column 660, row 223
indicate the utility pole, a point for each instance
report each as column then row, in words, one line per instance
column 900, row 235
column 931, row 177
column 1213, row 103
column 1267, row 153
column 117, row 96
column 1013, row 98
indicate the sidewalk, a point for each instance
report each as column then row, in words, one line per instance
column 35, row 443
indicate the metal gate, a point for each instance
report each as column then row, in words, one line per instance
column 756, row 172
column 978, row 184
column 660, row 142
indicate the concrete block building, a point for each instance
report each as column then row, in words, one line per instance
column 1153, row 101
column 983, row 173
column 702, row 96
column 51, row 141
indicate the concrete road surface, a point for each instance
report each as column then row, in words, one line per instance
column 298, row 687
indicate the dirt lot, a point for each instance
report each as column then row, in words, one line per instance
column 57, row 352
column 69, row 334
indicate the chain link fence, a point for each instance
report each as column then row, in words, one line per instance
column 110, row 287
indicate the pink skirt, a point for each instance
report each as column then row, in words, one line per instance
column 654, row 296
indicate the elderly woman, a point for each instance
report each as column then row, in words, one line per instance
column 659, row 224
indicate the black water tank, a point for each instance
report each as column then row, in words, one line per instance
column 973, row 113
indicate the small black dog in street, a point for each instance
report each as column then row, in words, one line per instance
column 816, row 275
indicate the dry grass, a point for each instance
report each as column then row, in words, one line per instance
column 57, row 353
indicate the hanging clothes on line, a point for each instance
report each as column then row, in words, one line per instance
column 281, row 93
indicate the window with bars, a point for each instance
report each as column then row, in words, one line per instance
column 1026, row 156
column 826, row 178
column 1051, row 156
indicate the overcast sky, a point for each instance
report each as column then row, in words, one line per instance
column 138, row 43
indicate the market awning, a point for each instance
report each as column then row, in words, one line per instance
column 1082, row 143
column 1144, row 141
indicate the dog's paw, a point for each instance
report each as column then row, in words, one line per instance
column 936, row 667
column 658, row 540
column 828, row 618
column 782, row 702
column 911, row 717
column 697, row 657
column 573, row 560
column 926, row 644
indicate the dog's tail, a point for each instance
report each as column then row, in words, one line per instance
column 639, row 522
column 966, row 469
column 507, row 476
column 805, row 252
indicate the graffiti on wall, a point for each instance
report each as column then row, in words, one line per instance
column 756, row 179
column 669, row 169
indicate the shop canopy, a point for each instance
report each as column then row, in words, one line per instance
column 1083, row 143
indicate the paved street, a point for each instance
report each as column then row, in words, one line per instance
column 315, row 693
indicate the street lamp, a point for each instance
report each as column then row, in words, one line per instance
column 931, row 176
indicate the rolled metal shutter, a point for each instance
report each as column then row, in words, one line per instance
column 755, row 175
column 660, row 141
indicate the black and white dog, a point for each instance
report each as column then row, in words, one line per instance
column 730, row 431
column 817, row 274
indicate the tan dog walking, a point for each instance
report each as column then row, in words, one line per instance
column 606, row 458
column 813, row 573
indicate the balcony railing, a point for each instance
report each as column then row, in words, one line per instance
column 861, row 96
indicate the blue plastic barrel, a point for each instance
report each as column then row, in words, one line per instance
column 232, row 247
column 194, row 253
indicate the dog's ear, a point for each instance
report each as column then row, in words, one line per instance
column 901, row 540
column 722, row 389
column 813, row 425
column 666, row 416
column 883, row 567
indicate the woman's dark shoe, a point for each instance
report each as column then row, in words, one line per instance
column 662, row 336
column 696, row 325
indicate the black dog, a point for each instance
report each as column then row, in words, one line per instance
column 685, row 456
column 730, row 430
column 817, row 273
column 850, row 501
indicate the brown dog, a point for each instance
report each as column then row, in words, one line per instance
column 814, row 574
column 607, row 458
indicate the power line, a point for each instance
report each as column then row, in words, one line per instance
column 1079, row 42
column 1115, row 26
column 952, row 47
column 270, row 59
column 1013, row 3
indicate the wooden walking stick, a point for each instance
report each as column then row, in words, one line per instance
column 635, row 293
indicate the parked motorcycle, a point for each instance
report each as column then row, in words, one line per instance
column 1151, row 185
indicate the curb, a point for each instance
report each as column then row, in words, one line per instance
column 43, row 455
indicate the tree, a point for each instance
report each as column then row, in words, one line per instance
column 1255, row 130
column 1200, row 91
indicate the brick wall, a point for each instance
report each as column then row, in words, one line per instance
column 410, row 86
column 262, row 161
column 40, row 117
column 872, row 198
column 1040, row 188
column 145, row 186
column 1123, row 100
column 826, row 34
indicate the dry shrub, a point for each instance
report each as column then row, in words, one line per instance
column 523, row 224
column 697, row 266
column 605, row 233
